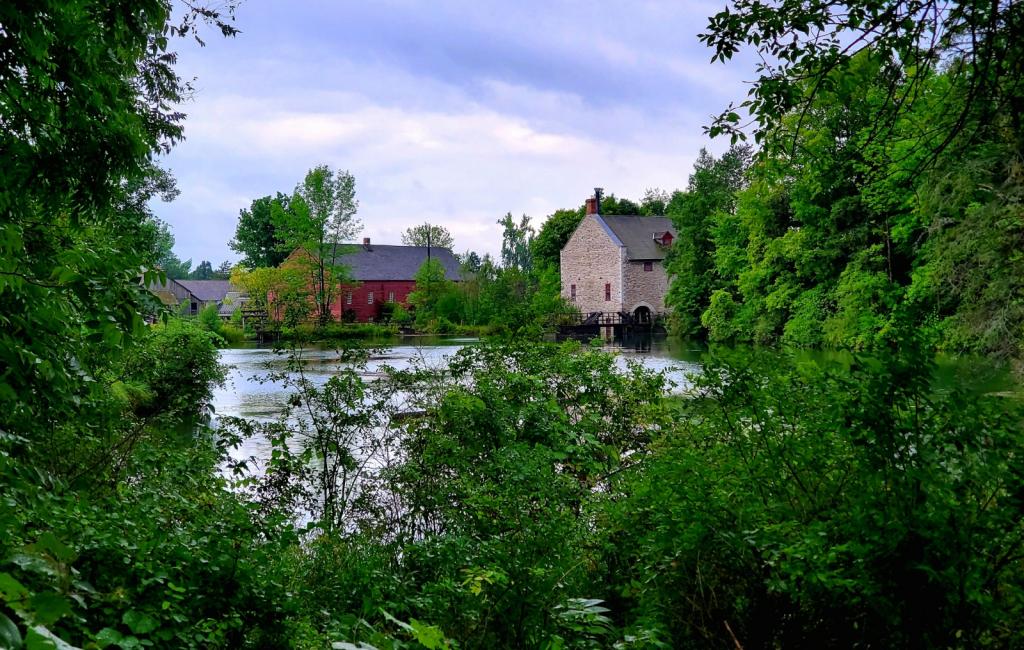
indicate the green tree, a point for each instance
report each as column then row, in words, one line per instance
column 166, row 260
column 813, row 47
column 432, row 285
column 204, row 271
column 470, row 262
column 654, row 202
column 87, row 94
column 712, row 190
column 319, row 220
column 428, row 234
column 515, row 243
column 256, row 236
column 554, row 233
column 612, row 205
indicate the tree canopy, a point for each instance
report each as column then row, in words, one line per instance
column 428, row 235
column 257, row 237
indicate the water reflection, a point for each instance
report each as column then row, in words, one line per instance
column 248, row 393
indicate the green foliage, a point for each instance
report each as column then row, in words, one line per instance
column 553, row 235
column 828, row 506
column 690, row 262
column 257, row 237
column 515, row 243
column 314, row 225
column 428, row 235
column 209, row 319
column 855, row 232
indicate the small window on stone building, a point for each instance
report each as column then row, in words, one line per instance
column 607, row 291
column 369, row 298
column 572, row 292
column 648, row 266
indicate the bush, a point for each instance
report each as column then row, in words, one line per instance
column 811, row 506
column 209, row 319
column 232, row 334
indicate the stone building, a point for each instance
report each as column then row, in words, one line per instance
column 615, row 264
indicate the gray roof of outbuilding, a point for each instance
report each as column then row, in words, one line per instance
column 637, row 234
column 394, row 262
column 207, row 290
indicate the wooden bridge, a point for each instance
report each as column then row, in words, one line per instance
column 616, row 322
column 259, row 321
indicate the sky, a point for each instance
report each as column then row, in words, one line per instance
column 452, row 113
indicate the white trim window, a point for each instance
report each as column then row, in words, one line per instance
column 369, row 298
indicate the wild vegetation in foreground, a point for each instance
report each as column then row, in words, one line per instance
column 531, row 495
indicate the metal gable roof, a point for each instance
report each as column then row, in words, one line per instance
column 637, row 234
column 393, row 262
column 207, row 290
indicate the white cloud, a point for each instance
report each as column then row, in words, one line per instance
column 423, row 146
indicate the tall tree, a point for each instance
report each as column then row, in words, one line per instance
column 654, row 202
column 470, row 262
column 712, row 190
column 320, row 219
column 257, row 237
column 547, row 246
column 88, row 99
column 203, row 271
column 615, row 206
column 428, row 234
column 515, row 243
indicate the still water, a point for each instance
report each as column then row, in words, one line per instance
column 249, row 394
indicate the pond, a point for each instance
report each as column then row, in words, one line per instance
column 248, row 394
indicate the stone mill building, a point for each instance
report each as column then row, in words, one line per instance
column 614, row 264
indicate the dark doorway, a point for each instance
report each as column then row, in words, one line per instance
column 642, row 315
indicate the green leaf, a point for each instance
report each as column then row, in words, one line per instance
column 429, row 636
column 40, row 638
column 108, row 636
column 11, row 590
column 49, row 607
column 10, row 637
column 139, row 622
column 48, row 542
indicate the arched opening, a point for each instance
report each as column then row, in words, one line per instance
column 642, row 315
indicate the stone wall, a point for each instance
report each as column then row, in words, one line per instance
column 590, row 259
column 645, row 287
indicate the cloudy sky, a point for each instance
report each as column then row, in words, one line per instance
column 448, row 112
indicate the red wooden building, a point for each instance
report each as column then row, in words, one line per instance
column 385, row 274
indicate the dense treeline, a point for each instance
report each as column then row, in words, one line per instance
column 887, row 192
column 518, row 291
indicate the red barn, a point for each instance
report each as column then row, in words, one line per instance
column 385, row 274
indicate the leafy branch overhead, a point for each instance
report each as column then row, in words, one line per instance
column 804, row 49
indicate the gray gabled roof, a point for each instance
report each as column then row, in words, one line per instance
column 637, row 234
column 207, row 290
column 393, row 262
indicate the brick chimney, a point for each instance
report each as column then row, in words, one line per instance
column 591, row 205
column 366, row 243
